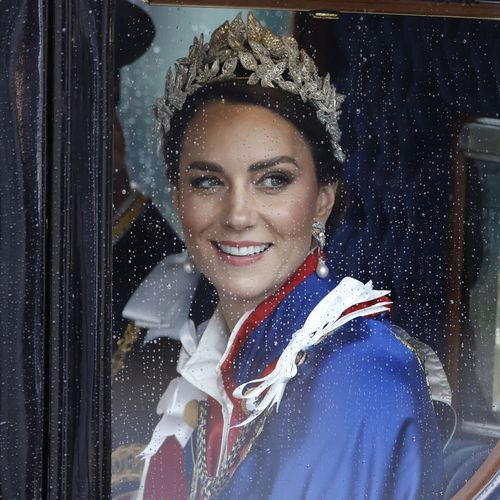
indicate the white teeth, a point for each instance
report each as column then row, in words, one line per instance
column 243, row 251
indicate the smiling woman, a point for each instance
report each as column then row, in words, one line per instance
column 249, row 132
column 247, row 194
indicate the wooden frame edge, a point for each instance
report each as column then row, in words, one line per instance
column 482, row 477
column 427, row 8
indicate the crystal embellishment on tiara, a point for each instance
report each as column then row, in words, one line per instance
column 272, row 60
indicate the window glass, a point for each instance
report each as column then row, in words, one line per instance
column 420, row 131
column 145, row 227
column 480, row 140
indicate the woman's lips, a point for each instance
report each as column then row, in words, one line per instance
column 240, row 253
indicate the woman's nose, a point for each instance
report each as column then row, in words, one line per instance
column 239, row 212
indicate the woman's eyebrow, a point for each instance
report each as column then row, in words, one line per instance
column 206, row 166
column 271, row 162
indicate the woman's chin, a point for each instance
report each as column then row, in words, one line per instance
column 246, row 292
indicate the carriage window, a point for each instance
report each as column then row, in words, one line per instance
column 422, row 181
column 480, row 142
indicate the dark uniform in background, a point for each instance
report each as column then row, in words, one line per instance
column 141, row 372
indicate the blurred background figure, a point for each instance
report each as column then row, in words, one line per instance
column 141, row 238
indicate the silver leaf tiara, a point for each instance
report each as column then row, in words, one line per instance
column 272, row 61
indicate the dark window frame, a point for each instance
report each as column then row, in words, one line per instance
column 55, row 215
column 331, row 8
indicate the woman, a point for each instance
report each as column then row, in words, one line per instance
column 250, row 136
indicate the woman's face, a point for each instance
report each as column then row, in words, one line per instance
column 247, row 196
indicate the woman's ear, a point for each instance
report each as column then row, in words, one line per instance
column 325, row 201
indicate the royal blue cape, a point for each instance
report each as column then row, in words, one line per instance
column 356, row 422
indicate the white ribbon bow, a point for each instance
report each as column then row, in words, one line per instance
column 323, row 320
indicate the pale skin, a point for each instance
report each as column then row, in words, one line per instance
column 247, row 186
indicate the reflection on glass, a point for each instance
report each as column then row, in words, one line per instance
column 484, row 296
column 496, row 382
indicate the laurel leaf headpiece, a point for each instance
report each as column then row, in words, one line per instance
column 271, row 61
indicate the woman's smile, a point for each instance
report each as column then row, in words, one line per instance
column 240, row 253
column 247, row 196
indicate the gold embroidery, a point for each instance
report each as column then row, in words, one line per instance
column 125, row 463
column 125, row 221
column 129, row 337
column 404, row 337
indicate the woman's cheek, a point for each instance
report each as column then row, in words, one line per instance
column 294, row 221
column 196, row 213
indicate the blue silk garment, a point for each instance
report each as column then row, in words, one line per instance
column 356, row 422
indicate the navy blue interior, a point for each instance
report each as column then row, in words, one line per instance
column 410, row 83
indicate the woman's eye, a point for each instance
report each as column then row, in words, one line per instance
column 275, row 180
column 205, row 182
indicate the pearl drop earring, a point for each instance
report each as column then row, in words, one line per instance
column 318, row 232
column 189, row 265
